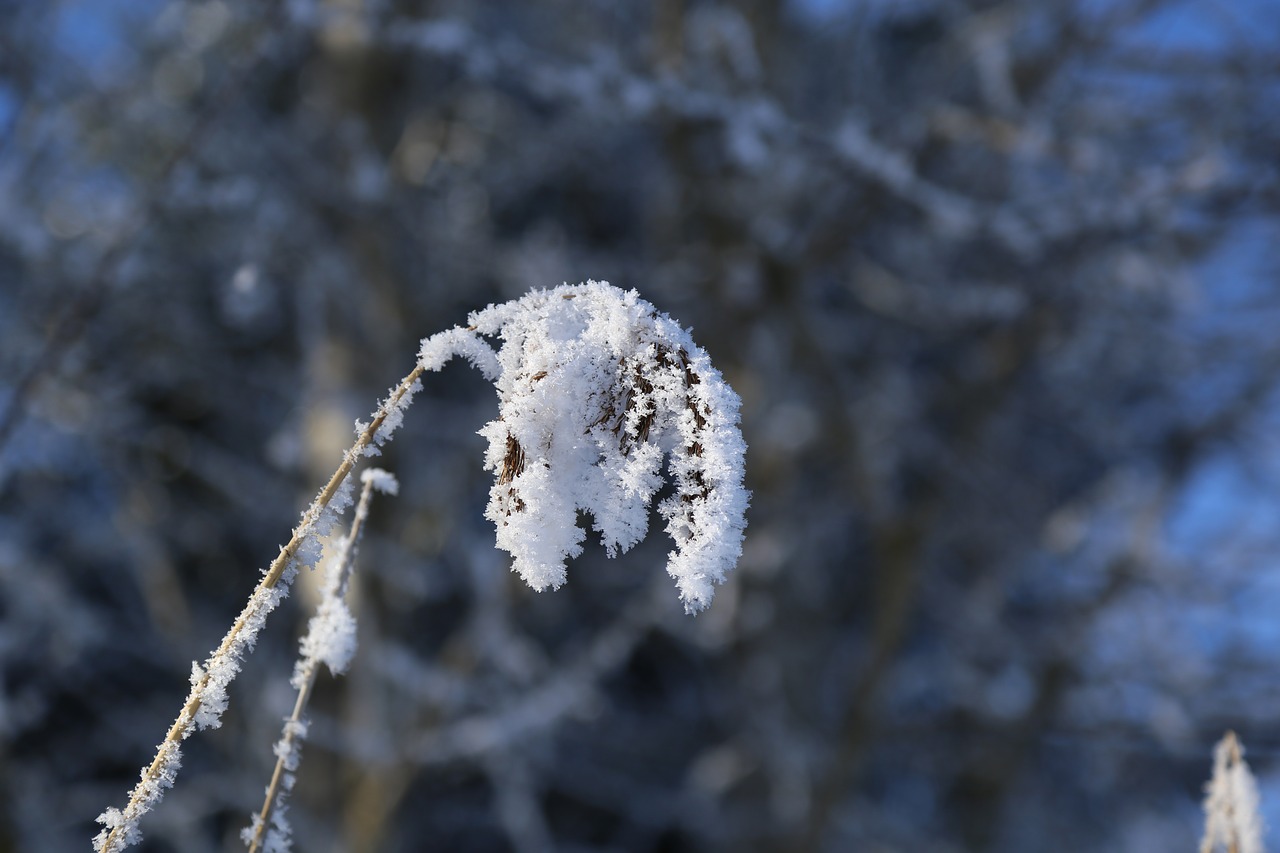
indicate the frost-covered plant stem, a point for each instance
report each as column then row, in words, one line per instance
column 330, row 639
column 121, row 826
column 286, row 753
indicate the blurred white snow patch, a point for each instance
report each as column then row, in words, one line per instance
column 245, row 299
column 718, row 769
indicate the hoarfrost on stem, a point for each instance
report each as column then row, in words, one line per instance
column 331, row 633
column 331, row 640
column 596, row 387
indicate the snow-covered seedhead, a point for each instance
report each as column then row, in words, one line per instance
column 595, row 388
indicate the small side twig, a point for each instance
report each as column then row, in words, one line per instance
column 329, row 639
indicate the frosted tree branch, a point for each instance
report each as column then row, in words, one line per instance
column 571, row 687
column 757, row 128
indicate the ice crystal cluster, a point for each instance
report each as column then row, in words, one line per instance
column 595, row 389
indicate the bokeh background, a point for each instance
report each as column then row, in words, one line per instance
column 997, row 282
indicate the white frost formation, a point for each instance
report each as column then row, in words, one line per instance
column 595, row 388
column 1231, row 820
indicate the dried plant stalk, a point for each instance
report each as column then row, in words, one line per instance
column 207, row 698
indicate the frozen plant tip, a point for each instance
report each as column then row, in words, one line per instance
column 596, row 388
column 1231, row 820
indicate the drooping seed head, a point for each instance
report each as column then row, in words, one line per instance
column 595, row 389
